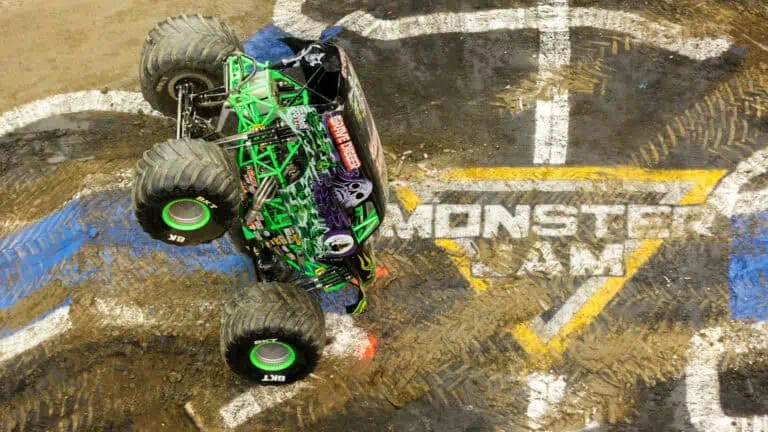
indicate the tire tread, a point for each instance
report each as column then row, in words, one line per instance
column 278, row 307
column 187, row 165
column 192, row 42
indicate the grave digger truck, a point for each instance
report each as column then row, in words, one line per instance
column 287, row 154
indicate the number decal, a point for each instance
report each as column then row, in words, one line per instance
column 273, row 378
column 177, row 238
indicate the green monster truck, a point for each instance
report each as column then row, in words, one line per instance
column 291, row 152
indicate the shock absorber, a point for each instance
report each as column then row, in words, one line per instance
column 265, row 192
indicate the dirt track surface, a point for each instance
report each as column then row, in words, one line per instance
column 64, row 46
column 479, row 326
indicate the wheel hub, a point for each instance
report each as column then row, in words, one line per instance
column 186, row 214
column 272, row 356
column 197, row 81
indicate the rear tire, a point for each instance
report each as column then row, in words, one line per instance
column 186, row 192
column 273, row 334
column 189, row 48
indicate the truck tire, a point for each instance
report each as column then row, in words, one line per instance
column 186, row 192
column 186, row 48
column 272, row 334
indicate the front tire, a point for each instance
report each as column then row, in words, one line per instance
column 273, row 334
column 187, row 48
column 186, row 192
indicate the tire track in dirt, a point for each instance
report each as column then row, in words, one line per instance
column 744, row 20
column 588, row 73
column 122, row 322
column 726, row 122
column 429, row 360
column 33, row 188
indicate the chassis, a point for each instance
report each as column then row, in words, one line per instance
column 290, row 152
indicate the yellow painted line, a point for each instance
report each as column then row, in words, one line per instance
column 463, row 264
column 702, row 187
column 528, row 339
column 408, row 198
column 592, row 308
column 580, row 173
column 703, row 182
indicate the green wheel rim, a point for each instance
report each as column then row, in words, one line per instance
column 272, row 356
column 186, row 214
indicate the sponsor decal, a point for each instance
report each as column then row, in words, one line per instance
column 206, row 202
column 248, row 181
column 344, row 63
column 376, row 151
column 298, row 116
column 343, row 142
column 340, row 243
column 363, row 113
column 273, row 378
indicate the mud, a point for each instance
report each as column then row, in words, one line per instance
column 144, row 337
column 116, row 382
column 141, row 353
column 605, row 364
column 32, row 306
column 431, row 361
column 97, row 151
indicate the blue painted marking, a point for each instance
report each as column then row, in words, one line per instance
column 748, row 269
column 44, row 251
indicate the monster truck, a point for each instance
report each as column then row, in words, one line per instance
column 288, row 150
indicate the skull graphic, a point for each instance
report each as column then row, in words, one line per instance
column 350, row 193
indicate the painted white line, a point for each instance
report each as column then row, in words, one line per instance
column 552, row 122
column 92, row 184
column 116, row 314
column 702, row 382
column 428, row 190
column 577, row 300
column 289, row 16
column 96, row 183
column 438, row 23
column 122, row 315
column 348, row 340
column 666, row 35
column 553, row 110
column 591, row 426
column 91, row 100
column 256, row 400
column 728, row 198
column 546, row 391
column 347, row 337
column 54, row 324
column 553, row 19
column 568, row 310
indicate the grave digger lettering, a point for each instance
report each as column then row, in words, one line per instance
column 548, row 221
